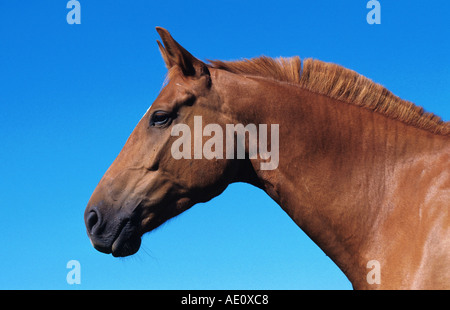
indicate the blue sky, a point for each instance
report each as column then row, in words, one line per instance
column 71, row 95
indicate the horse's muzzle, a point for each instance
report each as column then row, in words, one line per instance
column 117, row 235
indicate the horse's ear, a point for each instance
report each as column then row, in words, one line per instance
column 175, row 55
column 167, row 61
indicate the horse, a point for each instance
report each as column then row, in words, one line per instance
column 365, row 174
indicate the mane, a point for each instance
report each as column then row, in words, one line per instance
column 338, row 83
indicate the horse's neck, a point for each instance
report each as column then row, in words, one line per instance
column 340, row 169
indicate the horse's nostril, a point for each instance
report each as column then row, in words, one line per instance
column 91, row 220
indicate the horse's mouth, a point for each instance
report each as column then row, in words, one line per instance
column 126, row 241
column 121, row 236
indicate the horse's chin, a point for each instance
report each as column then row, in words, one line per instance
column 127, row 242
column 128, row 239
column 127, row 248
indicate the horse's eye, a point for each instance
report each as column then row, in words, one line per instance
column 160, row 118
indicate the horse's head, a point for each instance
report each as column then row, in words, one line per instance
column 146, row 184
